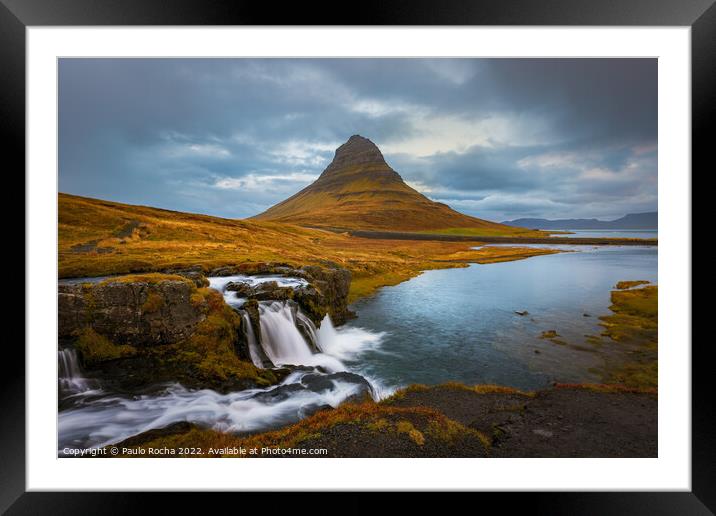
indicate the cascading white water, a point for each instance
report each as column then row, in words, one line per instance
column 114, row 418
column 69, row 374
column 347, row 344
column 109, row 418
column 310, row 328
column 280, row 338
column 283, row 343
column 104, row 418
column 221, row 282
column 251, row 341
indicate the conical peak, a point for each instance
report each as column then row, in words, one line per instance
column 359, row 190
column 358, row 143
column 356, row 151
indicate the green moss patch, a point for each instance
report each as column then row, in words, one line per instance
column 153, row 303
column 95, row 348
column 210, row 352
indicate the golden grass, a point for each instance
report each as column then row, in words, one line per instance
column 92, row 242
column 371, row 196
column 628, row 343
column 634, row 325
column 641, row 303
column 623, row 285
column 477, row 389
column 488, row 389
column 150, row 278
column 418, row 424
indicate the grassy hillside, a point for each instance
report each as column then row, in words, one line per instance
column 101, row 237
column 364, row 199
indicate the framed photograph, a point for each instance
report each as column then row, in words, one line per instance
column 443, row 249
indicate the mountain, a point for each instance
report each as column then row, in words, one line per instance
column 359, row 190
column 647, row 220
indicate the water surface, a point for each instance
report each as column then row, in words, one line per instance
column 444, row 325
column 460, row 324
column 610, row 233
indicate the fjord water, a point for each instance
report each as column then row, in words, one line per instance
column 610, row 233
column 461, row 325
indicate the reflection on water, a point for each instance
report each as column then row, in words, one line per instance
column 460, row 324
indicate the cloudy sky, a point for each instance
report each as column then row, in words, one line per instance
column 495, row 138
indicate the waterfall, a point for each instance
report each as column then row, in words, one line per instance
column 307, row 325
column 280, row 337
column 101, row 418
column 258, row 357
column 69, row 374
column 283, row 342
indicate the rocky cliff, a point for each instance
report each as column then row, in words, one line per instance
column 326, row 292
column 139, row 330
column 135, row 310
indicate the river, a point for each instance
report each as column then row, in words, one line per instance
column 444, row 325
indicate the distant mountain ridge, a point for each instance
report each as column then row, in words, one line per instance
column 646, row 220
column 360, row 191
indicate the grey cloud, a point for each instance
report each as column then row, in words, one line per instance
column 166, row 132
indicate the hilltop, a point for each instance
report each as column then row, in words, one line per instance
column 359, row 190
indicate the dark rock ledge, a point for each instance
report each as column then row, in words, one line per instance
column 136, row 331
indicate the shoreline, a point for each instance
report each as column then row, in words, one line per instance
column 154, row 242
column 486, row 420
column 389, row 235
column 444, row 420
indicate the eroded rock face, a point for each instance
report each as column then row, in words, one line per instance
column 136, row 313
column 356, row 151
column 332, row 285
column 327, row 292
column 268, row 291
column 136, row 331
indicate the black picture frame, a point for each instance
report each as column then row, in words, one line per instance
column 16, row 15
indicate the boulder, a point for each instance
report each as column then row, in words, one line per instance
column 333, row 284
column 194, row 273
column 241, row 289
